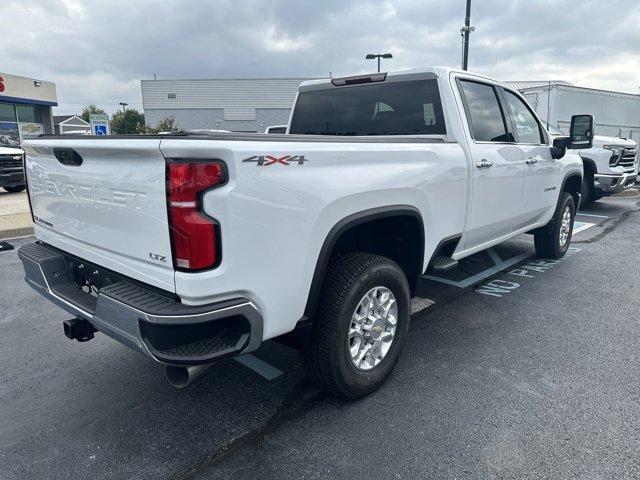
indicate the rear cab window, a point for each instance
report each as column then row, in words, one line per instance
column 390, row 108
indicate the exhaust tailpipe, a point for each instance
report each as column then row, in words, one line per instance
column 180, row 377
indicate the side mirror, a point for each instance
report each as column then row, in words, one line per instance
column 581, row 132
column 559, row 147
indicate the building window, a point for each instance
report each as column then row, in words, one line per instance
column 171, row 96
column 7, row 113
column 29, row 114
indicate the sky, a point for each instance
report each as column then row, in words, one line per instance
column 97, row 51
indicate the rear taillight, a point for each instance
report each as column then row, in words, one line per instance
column 194, row 235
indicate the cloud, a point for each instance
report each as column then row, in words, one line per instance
column 97, row 52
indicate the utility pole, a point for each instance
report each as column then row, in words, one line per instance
column 372, row 56
column 465, row 31
column 124, row 116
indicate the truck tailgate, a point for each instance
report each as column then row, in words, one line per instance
column 107, row 204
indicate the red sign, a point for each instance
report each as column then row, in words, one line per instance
column 1, row 84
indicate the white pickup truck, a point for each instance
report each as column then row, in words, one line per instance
column 193, row 247
column 11, row 169
column 610, row 166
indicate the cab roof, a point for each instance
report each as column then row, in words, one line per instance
column 418, row 73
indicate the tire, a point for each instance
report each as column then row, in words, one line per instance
column 549, row 239
column 15, row 189
column 587, row 189
column 328, row 357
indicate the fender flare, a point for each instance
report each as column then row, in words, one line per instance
column 340, row 228
column 590, row 162
column 567, row 177
column 573, row 173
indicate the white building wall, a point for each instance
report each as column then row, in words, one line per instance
column 25, row 88
column 240, row 104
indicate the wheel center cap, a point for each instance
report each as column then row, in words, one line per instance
column 376, row 329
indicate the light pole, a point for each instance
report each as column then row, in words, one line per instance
column 372, row 56
column 124, row 115
column 465, row 31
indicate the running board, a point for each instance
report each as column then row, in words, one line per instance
column 442, row 264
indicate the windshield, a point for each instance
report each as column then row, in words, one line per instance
column 399, row 108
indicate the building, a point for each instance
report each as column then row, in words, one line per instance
column 25, row 108
column 70, row 124
column 615, row 114
column 243, row 105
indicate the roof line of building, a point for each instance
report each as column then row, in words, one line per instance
column 617, row 92
column 226, row 79
column 27, row 101
column 27, row 78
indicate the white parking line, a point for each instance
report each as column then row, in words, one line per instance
column 581, row 226
column 499, row 266
column 418, row 304
column 591, row 215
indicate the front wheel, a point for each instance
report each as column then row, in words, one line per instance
column 361, row 325
column 552, row 240
column 16, row 189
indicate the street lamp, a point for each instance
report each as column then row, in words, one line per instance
column 372, row 56
column 124, row 115
column 465, row 32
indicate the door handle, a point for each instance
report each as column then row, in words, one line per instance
column 484, row 164
column 531, row 161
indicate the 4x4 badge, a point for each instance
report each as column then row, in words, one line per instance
column 266, row 160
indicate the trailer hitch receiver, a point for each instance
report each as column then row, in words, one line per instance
column 78, row 329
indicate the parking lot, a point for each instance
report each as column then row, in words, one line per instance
column 514, row 368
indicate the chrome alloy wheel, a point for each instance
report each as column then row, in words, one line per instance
column 373, row 328
column 565, row 226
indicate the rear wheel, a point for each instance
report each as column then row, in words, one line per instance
column 15, row 189
column 553, row 240
column 361, row 325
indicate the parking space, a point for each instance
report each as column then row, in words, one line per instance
column 515, row 368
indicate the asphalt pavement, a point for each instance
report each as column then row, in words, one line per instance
column 514, row 368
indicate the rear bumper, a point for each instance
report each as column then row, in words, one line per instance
column 155, row 324
column 610, row 184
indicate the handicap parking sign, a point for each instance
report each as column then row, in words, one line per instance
column 99, row 129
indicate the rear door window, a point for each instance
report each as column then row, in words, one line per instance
column 486, row 120
column 398, row 108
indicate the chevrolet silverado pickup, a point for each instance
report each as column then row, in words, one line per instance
column 610, row 166
column 195, row 247
column 11, row 169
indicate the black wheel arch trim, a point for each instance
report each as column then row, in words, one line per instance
column 343, row 226
column 568, row 176
column 591, row 163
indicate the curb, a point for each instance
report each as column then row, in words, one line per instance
column 16, row 232
column 629, row 192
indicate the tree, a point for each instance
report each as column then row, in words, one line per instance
column 132, row 123
column 167, row 124
column 89, row 109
